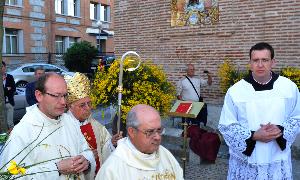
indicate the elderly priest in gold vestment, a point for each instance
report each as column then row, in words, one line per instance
column 140, row 155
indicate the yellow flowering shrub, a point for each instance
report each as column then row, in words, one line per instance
column 146, row 85
column 293, row 74
column 229, row 75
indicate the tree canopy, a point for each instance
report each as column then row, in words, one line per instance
column 78, row 57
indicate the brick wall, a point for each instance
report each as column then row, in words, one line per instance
column 144, row 26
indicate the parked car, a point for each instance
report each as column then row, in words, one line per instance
column 20, row 104
column 25, row 73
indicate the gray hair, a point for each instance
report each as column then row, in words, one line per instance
column 131, row 119
column 187, row 66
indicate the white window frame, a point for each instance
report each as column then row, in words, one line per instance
column 58, row 42
column 72, row 40
column 94, row 10
column 66, row 42
column 13, row 2
column 105, row 13
column 73, row 7
column 59, row 6
column 18, row 35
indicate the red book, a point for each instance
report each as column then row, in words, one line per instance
column 184, row 107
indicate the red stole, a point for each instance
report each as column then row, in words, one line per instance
column 88, row 133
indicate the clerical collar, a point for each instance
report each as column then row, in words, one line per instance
column 136, row 151
column 55, row 120
column 261, row 87
column 264, row 82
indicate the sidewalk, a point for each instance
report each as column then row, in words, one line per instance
column 218, row 171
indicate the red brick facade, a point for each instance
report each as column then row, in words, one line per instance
column 40, row 25
column 144, row 26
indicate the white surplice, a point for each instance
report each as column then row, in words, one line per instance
column 243, row 111
column 127, row 163
column 64, row 139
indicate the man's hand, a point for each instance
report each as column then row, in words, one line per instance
column 73, row 165
column 65, row 166
column 80, row 163
column 116, row 137
column 267, row 133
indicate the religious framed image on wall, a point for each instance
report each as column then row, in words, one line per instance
column 194, row 12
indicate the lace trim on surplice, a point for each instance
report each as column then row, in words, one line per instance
column 242, row 170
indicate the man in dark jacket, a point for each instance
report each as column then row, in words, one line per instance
column 9, row 87
column 30, row 87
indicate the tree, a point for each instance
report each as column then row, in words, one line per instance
column 3, row 123
column 79, row 57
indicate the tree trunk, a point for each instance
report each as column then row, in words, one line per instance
column 3, row 123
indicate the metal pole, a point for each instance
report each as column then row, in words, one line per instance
column 99, row 39
column 99, row 24
column 184, row 158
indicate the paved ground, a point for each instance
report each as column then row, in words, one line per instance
column 195, row 170
column 218, row 171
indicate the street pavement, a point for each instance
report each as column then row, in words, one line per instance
column 218, row 171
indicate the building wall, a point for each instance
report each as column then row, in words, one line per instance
column 144, row 26
column 40, row 25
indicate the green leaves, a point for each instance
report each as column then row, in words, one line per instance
column 78, row 57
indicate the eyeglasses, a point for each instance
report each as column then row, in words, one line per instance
column 152, row 132
column 85, row 104
column 58, row 96
column 262, row 61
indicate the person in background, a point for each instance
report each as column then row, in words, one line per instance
column 80, row 106
column 140, row 155
column 188, row 89
column 260, row 119
column 30, row 87
column 48, row 138
column 9, row 88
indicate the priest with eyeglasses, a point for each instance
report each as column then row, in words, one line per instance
column 80, row 108
column 140, row 155
column 47, row 144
